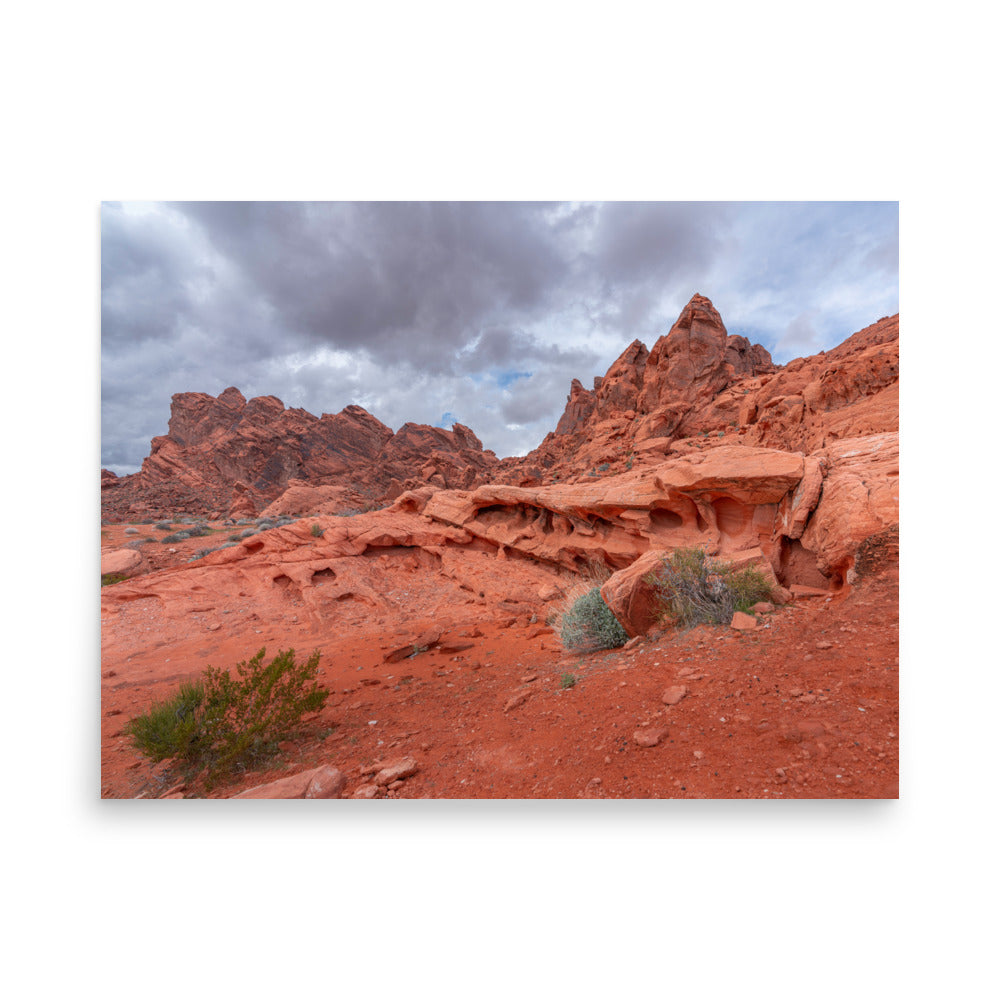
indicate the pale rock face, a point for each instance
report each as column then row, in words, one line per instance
column 860, row 498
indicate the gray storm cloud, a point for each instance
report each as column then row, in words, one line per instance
column 481, row 311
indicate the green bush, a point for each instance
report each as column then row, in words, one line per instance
column 170, row 728
column 316, row 531
column 221, row 723
column 696, row 589
column 589, row 624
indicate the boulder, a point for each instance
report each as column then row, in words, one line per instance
column 396, row 771
column 860, row 498
column 323, row 782
column 125, row 562
column 633, row 600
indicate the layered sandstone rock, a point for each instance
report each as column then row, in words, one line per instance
column 512, row 548
column 647, row 398
column 725, row 499
column 227, row 455
column 700, row 441
column 700, row 387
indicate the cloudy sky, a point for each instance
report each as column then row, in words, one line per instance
column 477, row 312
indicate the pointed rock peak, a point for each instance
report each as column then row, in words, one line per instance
column 232, row 397
column 634, row 356
column 699, row 310
column 466, row 437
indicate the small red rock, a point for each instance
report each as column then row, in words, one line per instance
column 674, row 694
column 515, row 700
column 649, row 737
column 396, row 771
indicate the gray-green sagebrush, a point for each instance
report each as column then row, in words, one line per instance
column 590, row 624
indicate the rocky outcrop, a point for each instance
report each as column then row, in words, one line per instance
column 513, row 547
column 725, row 499
column 860, row 498
column 646, row 399
column 700, row 441
column 226, row 455
column 700, row 387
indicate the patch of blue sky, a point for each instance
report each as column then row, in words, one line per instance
column 505, row 379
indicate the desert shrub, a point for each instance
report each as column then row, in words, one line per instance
column 198, row 531
column 107, row 579
column 170, row 728
column 223, row 723
column 131, row 531
column 589, row 624
column 316, row 531
column 696, row 589
column 178, row 536
column 567, row 681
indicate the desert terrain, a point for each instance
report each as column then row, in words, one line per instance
column 430, row 575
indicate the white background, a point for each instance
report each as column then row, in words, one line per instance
column 438, row 100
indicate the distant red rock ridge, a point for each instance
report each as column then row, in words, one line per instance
column 229, row 455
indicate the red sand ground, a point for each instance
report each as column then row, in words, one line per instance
column 804, row 707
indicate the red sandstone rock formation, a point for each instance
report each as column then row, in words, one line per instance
column 226, row 455
column 516, row 548
column 792, row 468
column 699, row 387
column 646, row 399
